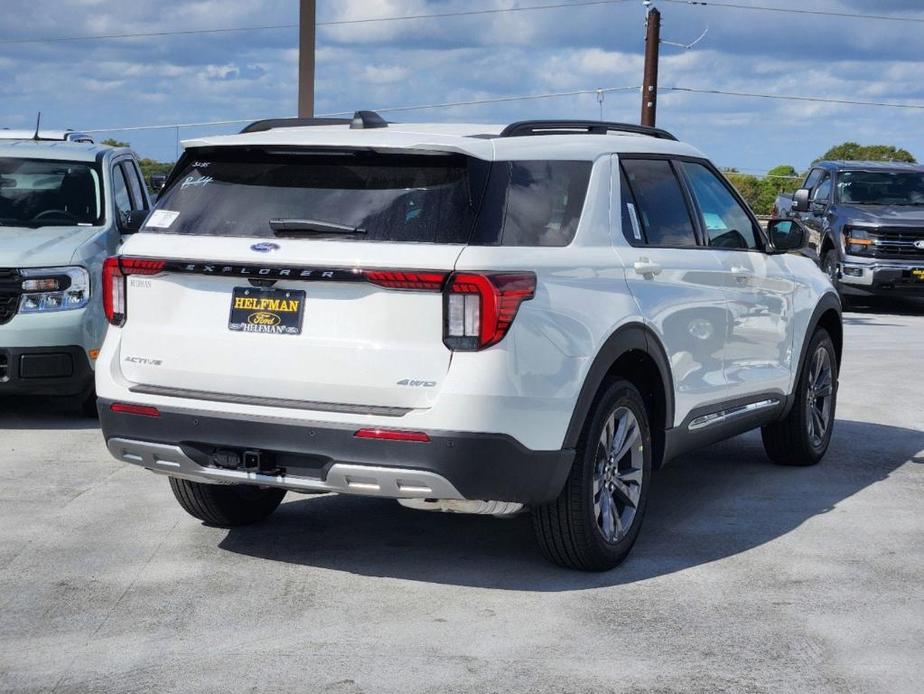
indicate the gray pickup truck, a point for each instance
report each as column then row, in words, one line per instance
column 65, row 206
column 866, row 225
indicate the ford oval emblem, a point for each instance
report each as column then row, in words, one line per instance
column 264, row 247
column 919, row 244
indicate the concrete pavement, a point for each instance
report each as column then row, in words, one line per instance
column 747, row 577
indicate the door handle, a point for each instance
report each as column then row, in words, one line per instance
column 647, row 268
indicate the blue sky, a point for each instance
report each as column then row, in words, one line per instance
column 184, row 79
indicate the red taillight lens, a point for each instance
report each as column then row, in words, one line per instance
column 140, row 410
column 392, row 279
column 393, row 435
column 115, row 270
column 113, row 291
column 480, row 307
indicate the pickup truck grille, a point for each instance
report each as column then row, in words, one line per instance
column 10, row 290
column 898, row 243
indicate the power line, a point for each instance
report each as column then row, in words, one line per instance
column 528, row 97
column 789, row 97
column 147, row 34
column 786, row 10
column 339, row 22
column 387, row 109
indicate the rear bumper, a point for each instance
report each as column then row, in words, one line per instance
column 452, row 465
column 880, row 277
column 62, row 371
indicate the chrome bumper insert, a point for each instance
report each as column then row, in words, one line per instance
column 343, row 478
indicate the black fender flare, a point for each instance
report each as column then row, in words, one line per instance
column 828, row 302
column 633, row 336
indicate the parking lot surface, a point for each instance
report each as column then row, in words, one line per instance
column 747, row 577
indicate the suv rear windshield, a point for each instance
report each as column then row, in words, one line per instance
column 41, row 192
column 371, row 196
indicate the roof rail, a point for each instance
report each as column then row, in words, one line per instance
column 46, row 135
column 273, row 123
column 573, row 127
column 360, row 120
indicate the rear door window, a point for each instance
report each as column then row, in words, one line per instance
column 662, row 207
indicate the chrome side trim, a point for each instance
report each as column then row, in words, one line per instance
column 708, row 420
column 343, row 478
column 271, row 402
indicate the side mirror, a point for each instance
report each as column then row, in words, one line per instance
column 800, row 200
column 133, row 221
column 157, row 182
column 787, row 235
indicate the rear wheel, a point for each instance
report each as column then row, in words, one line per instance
column 226, row 505
column 803, row 437
column 596, row 519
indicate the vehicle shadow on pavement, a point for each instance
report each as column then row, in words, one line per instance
column 34, row 412
column 879, row 306
column 706, row 506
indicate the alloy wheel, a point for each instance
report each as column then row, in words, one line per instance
column 618, row 474
column 819, row 396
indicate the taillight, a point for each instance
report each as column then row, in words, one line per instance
column 115, row 270
column 480, row 307
column 394, row 279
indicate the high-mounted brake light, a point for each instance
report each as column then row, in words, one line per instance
column 115, row 270
column 480, row 307
column 392, row 435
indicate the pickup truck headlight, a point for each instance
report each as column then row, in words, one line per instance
column 45, row 290
column 857, row 241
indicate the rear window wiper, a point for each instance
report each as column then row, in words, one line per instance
column 285, row 227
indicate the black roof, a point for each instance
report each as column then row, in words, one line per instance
column 841, row 165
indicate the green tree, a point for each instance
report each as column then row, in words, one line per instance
column 760, row 192
column 783, row 170
column 851, row 151
column 114, row 143
column 150, row 167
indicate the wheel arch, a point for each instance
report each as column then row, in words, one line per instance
column 827, row 315
column 633, row 352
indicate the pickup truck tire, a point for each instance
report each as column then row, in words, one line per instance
column 802, row 438
column 226, row 505
column 596, row 519
column 87, row 405
column 829, row 266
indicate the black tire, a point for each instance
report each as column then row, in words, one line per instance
column 226, row 505
column 568, row 530
column 87, row 405
column 793, row 441
column 829, row 266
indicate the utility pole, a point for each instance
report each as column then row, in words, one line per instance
column 306, row 43
column 650, row 82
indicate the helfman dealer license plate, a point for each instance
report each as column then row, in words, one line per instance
column 271, row 311
column 918, row 274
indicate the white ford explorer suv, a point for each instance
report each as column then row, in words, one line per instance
column 461, row 317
